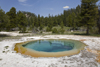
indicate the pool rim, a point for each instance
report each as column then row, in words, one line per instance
column 48, row 54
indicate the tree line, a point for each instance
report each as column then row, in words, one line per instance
column 85, row 15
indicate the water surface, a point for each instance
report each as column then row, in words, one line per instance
column 50, row 45
column 50, row 48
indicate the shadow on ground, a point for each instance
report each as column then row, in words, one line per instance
column 4, row 35
column 84, row 34
column 81, row 34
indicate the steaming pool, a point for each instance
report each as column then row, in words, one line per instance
column 50, row 48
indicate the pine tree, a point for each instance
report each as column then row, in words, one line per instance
column 31, row 23
column 73, row 20
column 2, row 13
column 89, row 13
column 38, row 24
column 62, row 25
column 70, row 20
column 12, row 18
column 4, row 20
column 22, row 21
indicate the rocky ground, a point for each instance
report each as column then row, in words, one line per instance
column 89, row 57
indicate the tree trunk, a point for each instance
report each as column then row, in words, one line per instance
column 99, row 30
column 98, row 24
column 87, row 31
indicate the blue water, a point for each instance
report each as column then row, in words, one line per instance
column 50, row 45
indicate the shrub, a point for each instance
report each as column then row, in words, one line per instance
column 48, row 29
column 54, row 30
column 41, row 32
column 6, row 47
column 62, row 31
column 94, row 30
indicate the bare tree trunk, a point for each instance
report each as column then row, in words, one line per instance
column 98, row 24
column 99, row 28
column 87, row 31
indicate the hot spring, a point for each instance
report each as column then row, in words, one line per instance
column 50, row 48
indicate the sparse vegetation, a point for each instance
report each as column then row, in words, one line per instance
column 3, row 51
column 0, row 59
column 6, row 47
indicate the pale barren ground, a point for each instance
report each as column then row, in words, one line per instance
column 89, row 57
